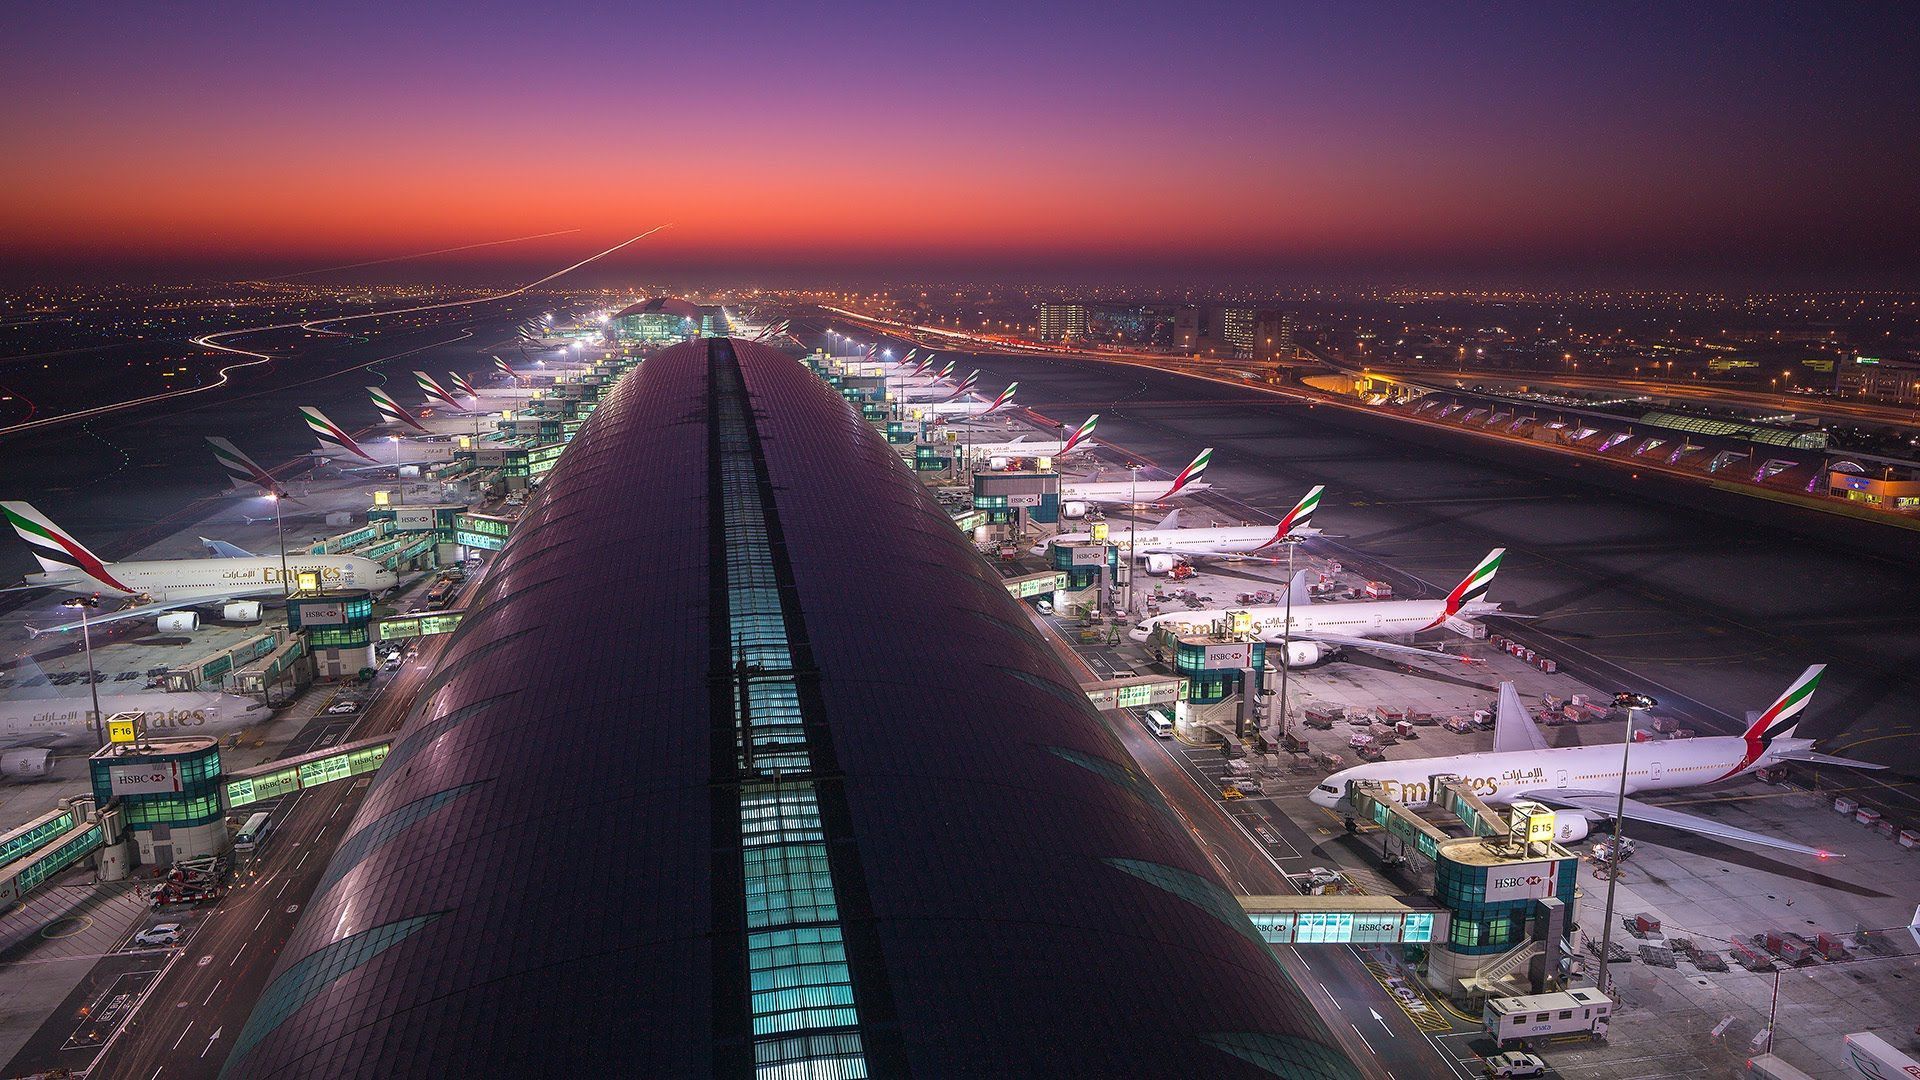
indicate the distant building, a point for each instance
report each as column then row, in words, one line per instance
column 1878, row 378
column 1273, row 335
column 1236, row 329
column 1062, row 322
column 659, row 321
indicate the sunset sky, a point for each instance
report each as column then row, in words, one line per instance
column 1630, row 140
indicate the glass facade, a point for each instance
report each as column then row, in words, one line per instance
column 1344, row 927
column 196, row 803
column 61, row 857
column 1479, row 925
column 30, row 839
column 805, row 1024
column 1207, row 685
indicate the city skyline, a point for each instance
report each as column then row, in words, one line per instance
column 1125, row 143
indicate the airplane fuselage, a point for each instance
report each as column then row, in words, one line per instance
column 1237, row 538
column 171, row 580
column 1366, row 618
column 1124, row 491
column 69, row 721
column 1501, row 777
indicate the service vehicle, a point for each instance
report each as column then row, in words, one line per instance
column 1515, row 1063
column 1532, row 1016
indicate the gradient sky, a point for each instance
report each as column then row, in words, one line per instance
column 1625, row 140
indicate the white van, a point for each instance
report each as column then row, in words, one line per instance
column 1160, row 723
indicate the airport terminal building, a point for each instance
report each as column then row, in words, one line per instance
column 686, row 799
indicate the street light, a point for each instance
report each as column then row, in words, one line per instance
column 1631, row 702
column 1133, row 518
column 1291, row 542
column 280, row 533
column 85, row 604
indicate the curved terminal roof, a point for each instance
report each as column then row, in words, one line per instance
column 660, row 305
column 743, row 763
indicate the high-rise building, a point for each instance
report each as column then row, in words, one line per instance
column 1062, row 322
column 1236, row 329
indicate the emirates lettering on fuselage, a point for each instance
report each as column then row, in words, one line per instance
column 171, row 718
column 270, row 574
column 1419, row 792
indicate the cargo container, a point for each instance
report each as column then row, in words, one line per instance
column 1772, row 1067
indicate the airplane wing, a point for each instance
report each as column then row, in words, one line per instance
column 1513, row 729
column 25, row 588
column 156, row 609
column 220, row 549
column 1602, row 802
column 1812, row 758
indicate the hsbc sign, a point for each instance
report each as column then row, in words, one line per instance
column 1520, row 881
column 152, row 779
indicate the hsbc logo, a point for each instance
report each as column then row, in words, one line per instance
column 1531, row 882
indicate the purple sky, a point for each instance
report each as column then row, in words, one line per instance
column 1625, row 141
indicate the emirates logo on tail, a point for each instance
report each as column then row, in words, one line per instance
column 1005, row 398
column 1189, row 474
column 1472, row 589
column 1080, row 436
column 1300, row 517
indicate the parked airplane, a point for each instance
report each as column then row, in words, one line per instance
column 1585, row 780
column 392, row 413
column 461, row 384
column 966, row 409
column 157, row 586
column 244, row 472
column 1025, row 447
column 936, row 391
column 1161, row 545
column 32, row 728
column 1124, row 492
column 1320, row 629
column 338, row 447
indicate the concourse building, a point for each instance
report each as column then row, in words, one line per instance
column 743, row 763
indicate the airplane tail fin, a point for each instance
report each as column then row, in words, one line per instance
column 432, row 388
column 331, row 435
column 1475, row 585
column 242, row 471
column 1005, row 398
column 1300, row 517
column 1190, row 474
column 505, row 368
column 1300, row 593
column 1779, row 719
column 52, row 547
column 465, row 387
column 1513, row 728
column 1080, row 436
column 390, row 410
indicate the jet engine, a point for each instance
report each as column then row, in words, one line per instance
column 26, row 764
column 1158, row 564
column 1073, row 508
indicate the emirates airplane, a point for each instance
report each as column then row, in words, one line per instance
column 1585, row 780
column 343, row 451
column 1127, row 492
column 1320, row 629
column 1159, row 546
column 1024, row 447
column 156, row 586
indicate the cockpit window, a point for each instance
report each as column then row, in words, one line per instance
column 1329, row 789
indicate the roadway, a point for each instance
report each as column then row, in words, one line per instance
column 227, row 963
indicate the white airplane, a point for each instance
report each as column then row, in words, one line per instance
column 340, row 449
column 1123, row 492
column 940, row 389
column 245, row 473
column 1024, row 447
column 32, row 728
column 1160, row 545
column 1585, row 780
column 1319, row 629
column 964, row 409
column 156, row 586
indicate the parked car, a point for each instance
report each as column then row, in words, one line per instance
column 166, row 933
column 1515, row 1063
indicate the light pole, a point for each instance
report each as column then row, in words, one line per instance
column 1631, row 702
column 1133, row 519
column 280, row 534
column 1286, row 633
column 85, row 604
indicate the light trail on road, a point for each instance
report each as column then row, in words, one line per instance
column 225, row 375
